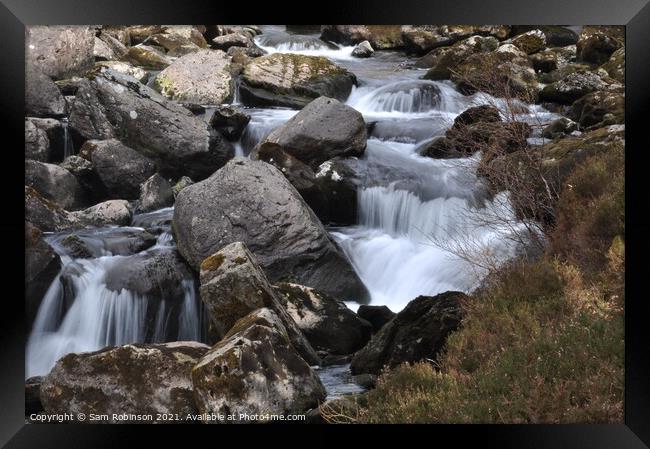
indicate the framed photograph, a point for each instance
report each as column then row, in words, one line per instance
column 431, row 215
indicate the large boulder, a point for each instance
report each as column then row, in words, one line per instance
column 124, row 68
column 255, row 370
column 417, row 333
column 252, row 202
column 598, row 109
column 229, row 121
column 327, row 323
column 202, row 77
column 380, row 37
column 56, row 136
column 554, row 35
column 615, row 66
column 42, row 265
column 530, row 42
column 443, row 60
column 55, row 183
column 233, row 285
column 363, row 50
column 155, row 193
column 60, row 51
column 597, row 43
column 323, row 129
column 37, row 145
column 121, row 169
column 90, row 182
column 420, row 39
column 553, row 58
column 42, row 96
column 291, row 80
column 572, row 87
column 147, row 57
column 113, row 105
column 377, row 316
column 497, row 73
column 337, row 183
column 132, row 379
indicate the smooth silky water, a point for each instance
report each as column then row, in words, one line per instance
column 408, row 205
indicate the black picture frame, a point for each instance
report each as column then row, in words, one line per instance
column 634, row 14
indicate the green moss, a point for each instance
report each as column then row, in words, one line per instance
column 212, row 263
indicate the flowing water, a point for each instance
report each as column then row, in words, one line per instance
column 417, row 218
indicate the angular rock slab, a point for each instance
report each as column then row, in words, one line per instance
column 255, row 370
column 138, row 379
column 417, row 333
column 252, row 202
column 233, row 285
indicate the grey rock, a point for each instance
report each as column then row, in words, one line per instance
column 55, row 183
column 42, row 97
column 155, row 193
column 60, row 51
column 233, row 285
column 377, row 316
column 37, row 145
column 229, row 121
column 112, row 212
column 252, row 202
column 42, row 265
column 323, row 129
column 255, row 370
column 113, row 105
column 417, row 333
column 148, row 57
column 363, row 50
column 131, row 379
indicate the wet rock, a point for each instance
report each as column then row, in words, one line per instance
column 155, row 274
column 60, row 51
column 119, row 242
column 113, row 105
column 291, row 80
column 252, row 202
column 88, row 179
column 37, row 145
column 615, row 66
column 255, row 370
column 598, row 109
column 233, row 285
column 45, row 214
column 42, row 265
column 444, row 60
column 230, row 121
column 418, row 332
column 135, row 378
column 530, row 42
column 155, row 193
column 381, row 37
column 231, row 40
column 112, row 212
column 496, row 72
column 42, row 97
column 55, row 134
column 377, row 316
column 555, row 36
column 597, row 43
column 553, row 58
column 201, row 77
column 572, row 87
column 55, row 183
column 148, row 57
column 120, row 168
column 323, row 129
column 125, row 68
column 337, row 184
column 328, row 324
column 476, row 114
column 109, row 48
column 558, row 128
column 363, row 50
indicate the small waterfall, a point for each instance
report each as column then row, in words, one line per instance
column 236, row 97
column 407, row 97
column 80, row 313
column 68, row 147
column 262, row 122
column 308, row 45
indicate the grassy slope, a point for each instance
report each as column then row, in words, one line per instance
column 543, row 342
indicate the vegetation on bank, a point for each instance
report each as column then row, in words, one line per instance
column 543, row 339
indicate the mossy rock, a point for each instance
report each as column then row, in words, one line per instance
column 615, row 67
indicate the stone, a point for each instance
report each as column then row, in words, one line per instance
column 121, row 169
column 327, row 324
column 37, row 145
column 252, row 202
column 230, row 121
column 363, row 50
column 131, row 379
column 233, row 285
column 42, row 265
column 60, row 51
column 155, row 193
column 572, row 87
column 42, row 97
column 599, row 108
column 255, row 370
column 55, row 184
column 147, row 57
column 597, row 43
column 112, row 212
column 530, row 42
column 292, row 80
column 323, row 129
column 443, row 60
column 377, row 316
column 381, row 37
column 417, row 333
column 201, row 77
